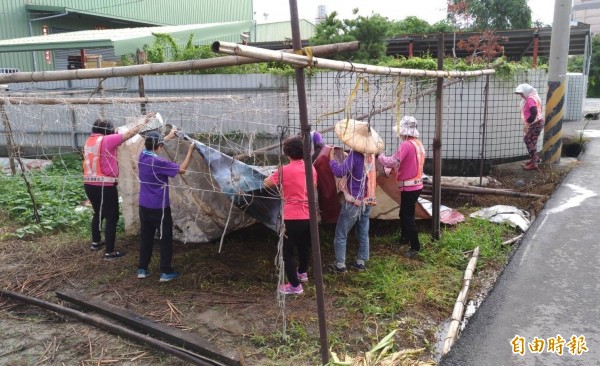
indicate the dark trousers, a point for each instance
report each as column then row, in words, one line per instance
column 105, row 202
column 297, row 237
column 408, row 225
column 151, row 221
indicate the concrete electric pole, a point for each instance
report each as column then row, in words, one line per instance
column 557, row 75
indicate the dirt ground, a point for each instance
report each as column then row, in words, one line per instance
column 227, row 298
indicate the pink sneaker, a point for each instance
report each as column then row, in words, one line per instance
column 302, row 277
column 288, row 289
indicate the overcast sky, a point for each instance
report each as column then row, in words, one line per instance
column 429, row 10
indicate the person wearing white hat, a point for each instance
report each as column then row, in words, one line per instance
column 408, row 160
column 533, row 122
column 358, row 185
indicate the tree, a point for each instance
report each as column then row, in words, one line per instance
column 370, row 31
column 594, row 76
column 490, row 14
column 484, row 47
column 409, row 25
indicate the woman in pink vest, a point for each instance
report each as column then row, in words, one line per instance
column 100, row 173
column 533, row 122
column 408, row 161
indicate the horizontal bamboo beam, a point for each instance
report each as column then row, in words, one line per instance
column 115, row 100
column 158, row 68
column 230, row 48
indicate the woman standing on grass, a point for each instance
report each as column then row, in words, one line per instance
column 533, row 122
column 296, row 218
column 408, row 161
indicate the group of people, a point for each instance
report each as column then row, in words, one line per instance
column 100, row 178
column 355, row 170
column 357, row 180
column 357, row 176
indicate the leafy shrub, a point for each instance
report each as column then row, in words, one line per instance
column 57, row 190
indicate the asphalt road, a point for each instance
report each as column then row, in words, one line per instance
column 551, row 286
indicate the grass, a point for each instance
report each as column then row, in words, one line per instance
column 395, row 294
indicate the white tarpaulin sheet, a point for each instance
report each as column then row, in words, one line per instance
column 509, row 214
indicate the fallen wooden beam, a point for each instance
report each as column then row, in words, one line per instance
column 147, row 326
column 110, row 327
column 482, row 190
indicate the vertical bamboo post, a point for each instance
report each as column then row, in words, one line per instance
column 486, row 97
column 13, row 154
column 437, row 145
column 312, row 199
column 9, row 139
column 140, row 58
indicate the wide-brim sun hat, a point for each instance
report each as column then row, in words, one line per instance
column 407, row 127
column 359, row 136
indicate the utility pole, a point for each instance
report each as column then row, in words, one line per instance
column 557, row 75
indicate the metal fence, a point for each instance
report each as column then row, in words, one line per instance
column 263, row 106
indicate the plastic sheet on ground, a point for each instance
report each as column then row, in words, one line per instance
column 514, row 216
column 448, row 215
column 28, row 163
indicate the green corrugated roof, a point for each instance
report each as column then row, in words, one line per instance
column 124, row 40
column 65, row 10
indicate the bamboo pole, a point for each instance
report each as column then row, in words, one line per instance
column 124, row 100
column 513, row 240
column 158, row 68
column 481, row 190
column 308, row 61
column 311, row 193
column 459, row 306
column 63, row 92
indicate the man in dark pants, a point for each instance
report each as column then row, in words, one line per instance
column 155, row 208
column 100, row 173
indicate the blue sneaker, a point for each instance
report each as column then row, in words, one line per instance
column 166, row 277
column 143, row 273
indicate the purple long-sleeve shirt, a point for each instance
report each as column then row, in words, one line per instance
column 353, row 166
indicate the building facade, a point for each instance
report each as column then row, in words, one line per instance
column 587, row 11
column 21, row 19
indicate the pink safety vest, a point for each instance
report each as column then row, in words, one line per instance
column 417, row 179
column 92, row 173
